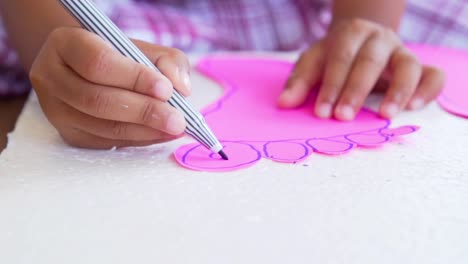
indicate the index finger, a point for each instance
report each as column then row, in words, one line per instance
column 96, row 61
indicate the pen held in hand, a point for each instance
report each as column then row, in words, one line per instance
column 97, row 22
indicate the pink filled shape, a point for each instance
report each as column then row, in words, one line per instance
column 251, row 127
column 454, row 97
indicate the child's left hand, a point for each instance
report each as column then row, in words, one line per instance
column 356, row 57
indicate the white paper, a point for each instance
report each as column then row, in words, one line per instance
column 405, row 203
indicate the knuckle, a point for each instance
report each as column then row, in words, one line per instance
column 36, row 76
column 97, row 63
column 401, row 92
column 97, row 102
column 41, row 78
column 57, row 34
column 65, row 37
column 371, row 58
column 405, row 94
column 331, row 85
column 389, row 33
column 406, row 58
column 358, row 25
column 327, row 96
column 379, row 32
column 143, row 75
column 179, row 56
column 118, row 129
column 389, row 38
column 147, row 113
column 344, row 56
column 176, row 53
column 353, row 100
column 413, row 61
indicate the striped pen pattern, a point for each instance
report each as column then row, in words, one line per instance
column 97, row 22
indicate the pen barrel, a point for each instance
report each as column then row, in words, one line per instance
column 91, row 18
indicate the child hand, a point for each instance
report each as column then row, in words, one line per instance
column 97, row 98
column 354, row 58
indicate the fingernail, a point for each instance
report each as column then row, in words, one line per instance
column 346, row 112
column 187, row 82
column 284, row 99
column 290, row 95
column 162, row 90
column 285, row 94
column 391, row 110
column 185, row 77
column 324, row 110
column 416, row 104
column 175, row 123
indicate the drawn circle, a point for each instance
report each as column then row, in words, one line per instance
column 330, row 146
column 368, row 140
column 399, row 131
column 197, row 157
column 285, row 151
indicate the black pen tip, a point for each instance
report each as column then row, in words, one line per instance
column 223, row 155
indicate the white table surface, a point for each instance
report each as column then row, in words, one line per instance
column 404, row 203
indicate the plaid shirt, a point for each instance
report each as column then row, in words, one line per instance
column 207, row 25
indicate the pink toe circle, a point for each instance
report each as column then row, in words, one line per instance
column 197, row 157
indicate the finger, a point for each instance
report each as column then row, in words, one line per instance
column 381, row 86
column 82, row 139
column 406, row 75
column 172, row 63
column 342, row 52
column 97, row 61
column 117, row 104
column 432, row 82
column 305, row 75
column 370, row 62
column 109, row 129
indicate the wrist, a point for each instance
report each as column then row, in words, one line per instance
column 339, row 22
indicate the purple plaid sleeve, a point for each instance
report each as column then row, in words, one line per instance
column 437, row 22
column 13, row 80
column 208, row 25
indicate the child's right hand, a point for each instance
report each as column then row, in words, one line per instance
column 97, row 98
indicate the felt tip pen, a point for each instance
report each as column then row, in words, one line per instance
column 94, row 20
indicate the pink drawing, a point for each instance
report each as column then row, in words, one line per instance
column 454, row 97
column 251, row 127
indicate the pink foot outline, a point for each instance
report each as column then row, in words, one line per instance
column 251, row 127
